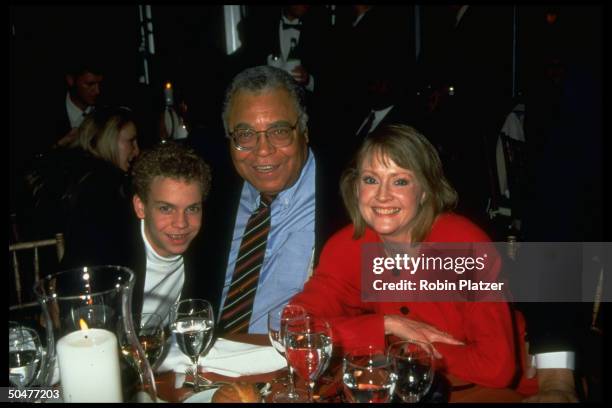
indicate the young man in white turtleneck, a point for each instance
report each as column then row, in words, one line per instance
column 170, row 184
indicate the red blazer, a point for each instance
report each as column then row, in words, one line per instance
column 334, row 292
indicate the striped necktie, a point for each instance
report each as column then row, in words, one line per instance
column 236, row 313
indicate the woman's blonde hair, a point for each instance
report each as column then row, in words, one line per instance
column 408, row 149
column 99, row 132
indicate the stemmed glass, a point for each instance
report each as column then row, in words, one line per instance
column 277, row 327
column 25, row 355
column 151, row 336
column 193, row 326
column 367, row 375
column 308, row 348
column 413, row 364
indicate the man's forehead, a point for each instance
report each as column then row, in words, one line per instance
column 90, row 77
column 269, row 94
column 274, row 103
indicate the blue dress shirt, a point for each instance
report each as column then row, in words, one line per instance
column 289, row 252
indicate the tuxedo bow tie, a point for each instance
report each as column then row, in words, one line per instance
column 287, row 26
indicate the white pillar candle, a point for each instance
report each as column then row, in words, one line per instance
column 89, row 366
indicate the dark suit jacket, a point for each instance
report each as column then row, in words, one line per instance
column 382, row 41
column 347, row 142
column 475, row 57
column 130, row 252
column 62, row 122
column 220, row 216
column 575, row 135
column 402, row 113
column 53, row 125
column 33, row 133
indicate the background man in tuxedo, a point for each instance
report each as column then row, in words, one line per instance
column 373, row 65
column 368, row 41
column 84, row 80
column 62, row 111
column 466, row 65
column 565, row 136
column 56, row 116
column 295, row 32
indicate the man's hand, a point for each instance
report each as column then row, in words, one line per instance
column 300, row 74
column 68, row 138
column 555, row 385
column 407, row 329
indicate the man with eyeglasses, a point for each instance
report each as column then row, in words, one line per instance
column 278, row 210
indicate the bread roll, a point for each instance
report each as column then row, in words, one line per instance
column 237, row 392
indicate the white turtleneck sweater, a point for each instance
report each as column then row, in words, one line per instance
column 164, row 281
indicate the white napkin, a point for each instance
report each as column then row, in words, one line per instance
column 226, row 357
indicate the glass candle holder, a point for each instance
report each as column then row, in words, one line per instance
column 92, row 338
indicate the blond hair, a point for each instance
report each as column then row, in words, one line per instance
column 99, row 132
column 408, row 149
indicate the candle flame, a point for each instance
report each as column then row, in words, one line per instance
column 83, row 324
column 168, row 85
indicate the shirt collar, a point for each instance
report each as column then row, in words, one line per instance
column 285, row 20
column 285, row 197
column 74, row 112
column 382, row 112
column 460, row 14
column 359, row 18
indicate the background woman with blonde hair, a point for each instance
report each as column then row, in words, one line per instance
column 98, row 204
column 110, row 134
column 80, row 190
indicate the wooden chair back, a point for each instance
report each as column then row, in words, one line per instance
column 35, row 246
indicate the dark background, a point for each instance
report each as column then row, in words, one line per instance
column 190, row 52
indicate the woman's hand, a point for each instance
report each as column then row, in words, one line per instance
column 407, row 329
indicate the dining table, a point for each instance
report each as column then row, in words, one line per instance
column 329, row 387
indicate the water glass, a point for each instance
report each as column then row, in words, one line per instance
column 278, row 318
column 152, row 337
column 367, row 375
column 308, row 348
column 413, row 364
column 193, row 326
column 25, row 355
column 31, row 316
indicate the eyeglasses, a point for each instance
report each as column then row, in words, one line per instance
column 278, row 136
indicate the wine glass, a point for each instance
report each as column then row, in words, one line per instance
column 308, row 348
column 367, row 375
column 277, row 327
column 275, row 60
column 151, row 335
column 193, row 325
column 25, row 355
column 413, row 363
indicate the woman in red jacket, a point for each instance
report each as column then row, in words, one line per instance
column 396, row 193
